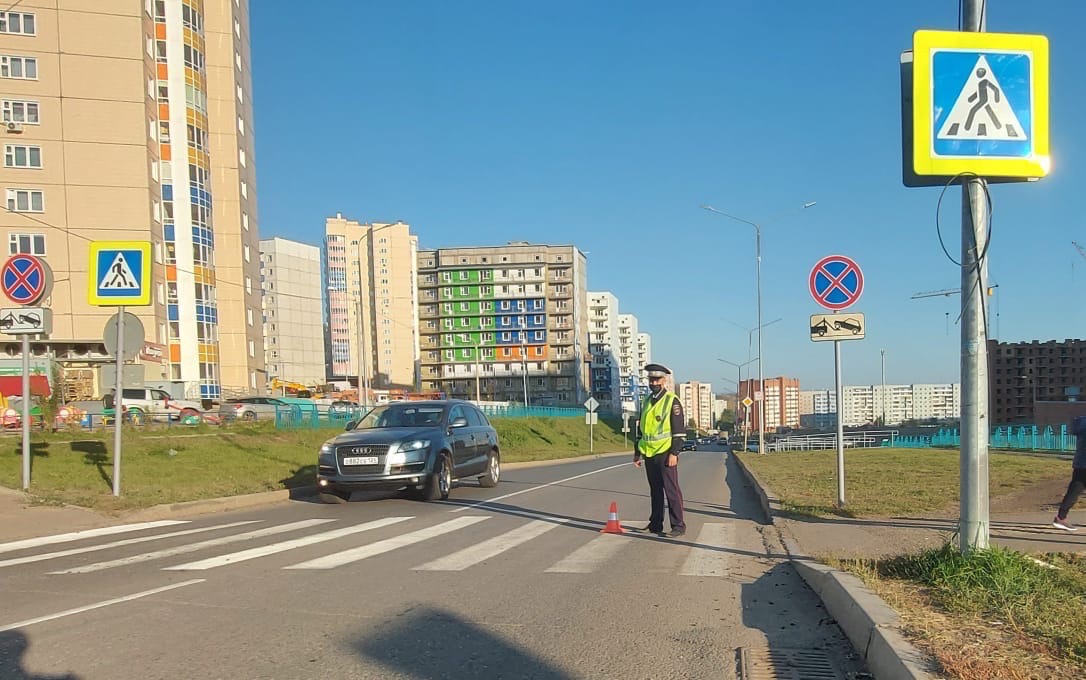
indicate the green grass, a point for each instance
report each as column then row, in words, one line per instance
column 1043, row 604
column 161, row 465
column 885, row 481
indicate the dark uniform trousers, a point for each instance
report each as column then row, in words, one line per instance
column 664, row 480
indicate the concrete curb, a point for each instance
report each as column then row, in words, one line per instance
column 870, row 624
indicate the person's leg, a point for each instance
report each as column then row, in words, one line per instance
column 656, row 493
column 674, row 497
column 1074, row 490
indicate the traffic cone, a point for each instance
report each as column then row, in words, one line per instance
column 613, row 527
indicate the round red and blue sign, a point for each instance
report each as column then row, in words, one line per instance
column 25, row 279
column 836, row 282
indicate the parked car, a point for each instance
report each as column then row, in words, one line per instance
column 420, row 446
column 146, row 403
column 250, row 408
column 689, row 445
column 343, row 409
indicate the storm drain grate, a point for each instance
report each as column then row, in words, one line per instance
column 786, row 664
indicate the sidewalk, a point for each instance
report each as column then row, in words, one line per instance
column 1022, row 522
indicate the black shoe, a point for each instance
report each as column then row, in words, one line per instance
column 647, row 529
column 675, row 533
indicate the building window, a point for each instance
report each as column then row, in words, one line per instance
column 20, row 156
column 26, row 200
column 18, row 68
column 21, row 23
column 20, row 111
column 29, row 244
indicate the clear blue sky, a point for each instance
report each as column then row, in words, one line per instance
column 605, row 124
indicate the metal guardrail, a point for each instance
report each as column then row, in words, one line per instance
column 1019, row 438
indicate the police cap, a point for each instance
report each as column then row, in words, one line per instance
column 657, row 370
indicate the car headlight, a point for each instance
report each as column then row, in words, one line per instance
column 408, row 452
column 327, row 455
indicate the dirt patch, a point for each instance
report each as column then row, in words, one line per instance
column 1044, row 495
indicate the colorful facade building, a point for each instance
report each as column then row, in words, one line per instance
column 504, row 323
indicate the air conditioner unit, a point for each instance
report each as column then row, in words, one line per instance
column 14, row 127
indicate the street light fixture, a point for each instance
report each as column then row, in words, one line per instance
column 758, row 277
column 739, row 387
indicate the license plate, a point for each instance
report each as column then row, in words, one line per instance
column 360, row 460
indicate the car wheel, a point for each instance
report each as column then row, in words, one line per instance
column 334, row 497
column 248, row 415
column 440, row 482
column 493, row 471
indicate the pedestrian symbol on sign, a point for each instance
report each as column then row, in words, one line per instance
column 119, row 276
column 981, row 110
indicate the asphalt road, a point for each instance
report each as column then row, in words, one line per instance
column 511, row 582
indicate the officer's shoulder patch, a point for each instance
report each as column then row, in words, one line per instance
column 676, row 409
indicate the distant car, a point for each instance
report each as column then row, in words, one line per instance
column 343, row 409
column 251, row 408
column 689, row 445
column 420, row 446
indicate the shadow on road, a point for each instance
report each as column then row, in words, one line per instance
column 425, row 642
column 744, row 500
column 13, row 646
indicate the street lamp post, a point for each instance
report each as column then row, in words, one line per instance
column 758, row 277
column 738, row 383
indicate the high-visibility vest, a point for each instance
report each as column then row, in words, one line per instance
column 655, row 426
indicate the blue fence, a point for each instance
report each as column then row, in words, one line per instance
column 1022, row 438
column 524, row 412
column 308, row 415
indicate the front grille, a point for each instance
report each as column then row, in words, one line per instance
column 348, row 451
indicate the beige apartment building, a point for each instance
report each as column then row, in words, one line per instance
column 131, row 121
column 290, row 276
column 370, row 276
column 697, row 400
column 505, row 323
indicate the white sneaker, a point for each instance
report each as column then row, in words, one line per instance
column 1063, row 524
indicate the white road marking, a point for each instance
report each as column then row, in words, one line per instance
column 115, row 544
column 710, row 556
column 536, row 488
column 253, row 553
column 591, row 555
column 86, row 533
column 193, row 547
column 98, row 605
column 469, row 557
column 362, row 552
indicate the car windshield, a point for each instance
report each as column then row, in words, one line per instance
column 401, row 415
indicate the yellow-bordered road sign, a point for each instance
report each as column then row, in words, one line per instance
column 980, row 104
column 119, row 273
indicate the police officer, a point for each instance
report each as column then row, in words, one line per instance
column 660, row 433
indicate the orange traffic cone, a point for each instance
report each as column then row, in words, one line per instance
column 613, row 527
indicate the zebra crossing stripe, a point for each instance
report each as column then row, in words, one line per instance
column 263, row 551
column 711, row 555
column 469, row 557
column 389, row 544
column 115, row 544
column 86, row 533
column 193, row 547
column 591, row 555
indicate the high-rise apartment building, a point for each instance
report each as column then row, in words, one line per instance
column 370, row 273
column 634, row 351
column 1025, row 376
column 604, row 346
column 697, row 400
column 133, row 122
column 781, row 403
column 290, row 278
column 505, row 323
column 642, row 355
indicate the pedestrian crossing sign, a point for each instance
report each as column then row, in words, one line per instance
column 980, row 104
column 119, row 273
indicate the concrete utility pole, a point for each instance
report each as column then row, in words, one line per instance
column 973, row 527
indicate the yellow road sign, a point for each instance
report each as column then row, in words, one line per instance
column 119, row 273
column 980, row 104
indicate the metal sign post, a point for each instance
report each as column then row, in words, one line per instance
column 836, row 282
column 590, row 419
column 119, row 274
column 25, row 279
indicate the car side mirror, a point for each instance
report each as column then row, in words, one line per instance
column 459, row 422
column 351, row 424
